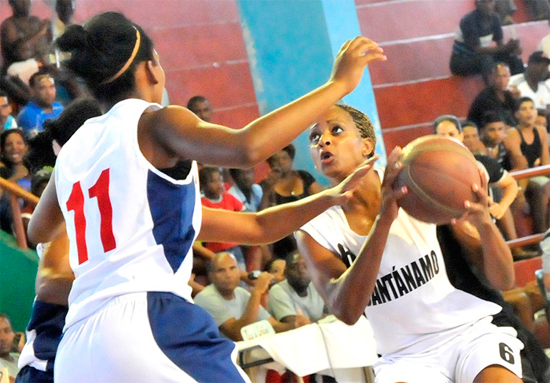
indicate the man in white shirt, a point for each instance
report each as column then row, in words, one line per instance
column 533, row 83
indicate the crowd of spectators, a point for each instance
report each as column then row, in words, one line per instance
column 238, row 285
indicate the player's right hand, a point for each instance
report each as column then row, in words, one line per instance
column 352, row 59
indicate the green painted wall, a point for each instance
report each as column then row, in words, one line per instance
column 17, row 276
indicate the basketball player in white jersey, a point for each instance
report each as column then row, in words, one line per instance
column 370, row 256
column 131, row 217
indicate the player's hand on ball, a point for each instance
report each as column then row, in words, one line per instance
column 478, row 212
column 390, row 195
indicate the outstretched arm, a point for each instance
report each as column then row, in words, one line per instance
column 47, row 220
column 217, row 145
column 276, row 222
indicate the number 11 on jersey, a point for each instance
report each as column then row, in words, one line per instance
column 76, row 200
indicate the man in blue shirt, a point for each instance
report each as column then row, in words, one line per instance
column 41, row 107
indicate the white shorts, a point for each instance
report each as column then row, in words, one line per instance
column 458, row 360
column 146, row 337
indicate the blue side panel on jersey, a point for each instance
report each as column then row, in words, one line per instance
column 188, row 336
column 48, row 320
column 172, row 208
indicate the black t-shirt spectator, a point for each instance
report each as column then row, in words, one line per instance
column 473, row 33
column 488, row 101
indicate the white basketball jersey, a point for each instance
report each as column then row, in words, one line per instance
column 131, row 227
column 413, row 303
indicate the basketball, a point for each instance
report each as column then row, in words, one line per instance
column 439, row 173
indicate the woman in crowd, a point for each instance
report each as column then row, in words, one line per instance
column 131, row 224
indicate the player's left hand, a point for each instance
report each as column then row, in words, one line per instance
column 477, row 213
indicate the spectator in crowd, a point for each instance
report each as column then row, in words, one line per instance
column 495, row 97
column 542, row 119
column 201, row 107
column 231, row 306
column 276, row 267
column 505, row 9
column 42, row 106
column 532, row 83
column 8, row 358
column 245, row 190
column 533, row 142
column 471, row 140
column 250, row 194
column 284, row 184
column 25, row 41
column 472, row 51
column 13, row 148
column 499, row 144
column 64, row 10
column 295, row 295
column 215, row 197
column 6, row 119
column 540, row 9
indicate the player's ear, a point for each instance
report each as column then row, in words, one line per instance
column 368, row 147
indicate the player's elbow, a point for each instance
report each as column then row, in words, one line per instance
column 346, row 313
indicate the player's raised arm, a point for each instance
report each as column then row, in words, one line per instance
column 218, row 145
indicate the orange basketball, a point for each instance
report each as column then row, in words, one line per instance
column 439, row 173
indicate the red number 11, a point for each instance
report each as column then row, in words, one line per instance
column 76, row 203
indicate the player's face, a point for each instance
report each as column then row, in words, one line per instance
column 226, row 274
column 6, row 337
column 526, row 114
column 336, row 145
column 448, row 129
column 494, row 133
column 160, row 76
column 15, row 148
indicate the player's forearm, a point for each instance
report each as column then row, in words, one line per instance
column 264, row 136
column 497, row 258
column 344, row 299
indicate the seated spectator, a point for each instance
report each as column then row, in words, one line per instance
column 495, row 97
column 533, row 142
column 25, row 41
column 505, row 9
column 284, row 184
column 295, row 295
column 231, row 306
column 42, row 105
column 542, row 119
column 6, row 119
column 539, row 9
column 215, row 197
column 499, row 145
column 472, row 50
column 532, row 83
column 276, row 267
column 245, row 190
column 201, row 107
column 8, row 358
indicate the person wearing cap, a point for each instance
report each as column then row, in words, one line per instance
column 533, row 82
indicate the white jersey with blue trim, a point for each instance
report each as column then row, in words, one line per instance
column 414, row 305
column 131, row 227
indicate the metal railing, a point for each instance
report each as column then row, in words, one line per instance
column 14, row 193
